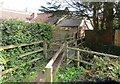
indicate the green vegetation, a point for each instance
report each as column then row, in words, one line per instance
column 69, row 73
column 17, row 32
column 103, row 69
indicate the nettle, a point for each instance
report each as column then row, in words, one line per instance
column 17, row 32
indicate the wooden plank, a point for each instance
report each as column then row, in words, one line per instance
column 18, row 45
column 54, row 73
column 13, row 69
column 32, row 52
column 80, row 61
column 50, row 63
column 93, row 52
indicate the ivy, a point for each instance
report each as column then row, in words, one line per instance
column 104, row 69
column 17, row 32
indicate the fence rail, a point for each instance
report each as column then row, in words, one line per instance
column 44, row 49
column 93, row 52
column 18, row 45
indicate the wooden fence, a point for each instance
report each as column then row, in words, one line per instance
column 78, row 55
column 49, row 73
column 44, row 49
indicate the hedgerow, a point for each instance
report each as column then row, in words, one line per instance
column 17, row 32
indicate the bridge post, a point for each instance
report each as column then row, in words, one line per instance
column 45, row 48
column 48, row 74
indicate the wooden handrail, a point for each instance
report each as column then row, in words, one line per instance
column 18, row 45
column 93, row 52
column 50, row 63
column 49, row 67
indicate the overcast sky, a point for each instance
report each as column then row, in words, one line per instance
column 31, row 5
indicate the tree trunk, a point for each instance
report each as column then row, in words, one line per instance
column 109, row 15
column 94, row 18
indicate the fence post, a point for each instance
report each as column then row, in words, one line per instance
column 75, row 37
column 45, row 48
column 48, row 74
column 78, row 58
column 66, row 51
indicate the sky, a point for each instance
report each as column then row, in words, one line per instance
column 21, row 5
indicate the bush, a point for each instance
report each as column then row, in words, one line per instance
column 16, row 32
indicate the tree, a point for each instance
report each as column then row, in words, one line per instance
column 102, row 12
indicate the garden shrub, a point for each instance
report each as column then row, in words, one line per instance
column 17, row 32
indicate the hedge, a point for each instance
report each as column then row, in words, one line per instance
column 17, row 32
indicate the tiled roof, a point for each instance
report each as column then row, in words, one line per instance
column 52, row 20
column 10, row 14
column 72, row 22
column 42, row 17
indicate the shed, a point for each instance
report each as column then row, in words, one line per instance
column 71, row 26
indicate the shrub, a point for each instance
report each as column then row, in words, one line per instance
column 16, row 32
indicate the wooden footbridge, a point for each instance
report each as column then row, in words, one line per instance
column 67, row 49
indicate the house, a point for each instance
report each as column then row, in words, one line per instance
column 50, row 16
column 71, row 26
column 52, row 20
column 13, row 14
column 41, row 17
column 66, row 23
